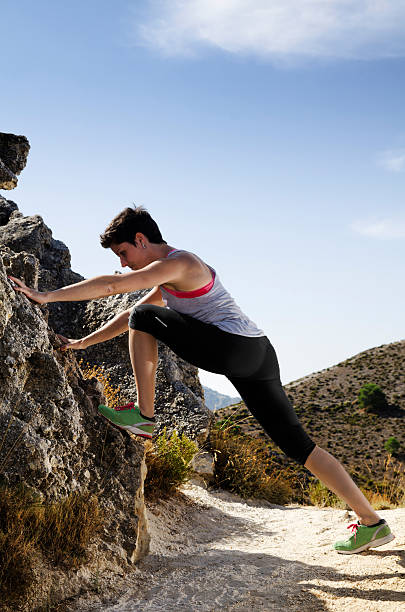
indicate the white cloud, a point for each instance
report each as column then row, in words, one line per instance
column 380, row 228
column 393, row 160
column 277, row 29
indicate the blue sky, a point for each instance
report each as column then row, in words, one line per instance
column 268, row 137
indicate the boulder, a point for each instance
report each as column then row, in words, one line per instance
column 13, row 158
column 52, row 438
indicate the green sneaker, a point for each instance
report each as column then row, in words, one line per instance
column 128, row 417
column 365, row 537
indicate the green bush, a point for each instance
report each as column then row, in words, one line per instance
column 371, row 397
column 392, row 445
column 168, row 460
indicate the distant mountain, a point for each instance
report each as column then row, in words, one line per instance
column 215, row 400
column 327, row 405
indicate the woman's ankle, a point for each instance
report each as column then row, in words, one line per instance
column 147, row 413
column 369, row 520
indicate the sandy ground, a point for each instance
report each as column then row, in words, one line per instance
column 213, row 551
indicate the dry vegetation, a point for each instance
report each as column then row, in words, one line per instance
column 112, row 394
column 60, row 531
column 168, row 460
column 244, row 466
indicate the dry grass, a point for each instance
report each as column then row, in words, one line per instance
column 62, row 531
column 168, row 461
column 20, row 518
column 388, row 492
column 319, row 495
column 16, row 565
column 384, row 494
column 244, row 466
column 113, row 394
column 69, row 526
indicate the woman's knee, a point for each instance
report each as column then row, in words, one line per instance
column 297, row 445
column 139, row 314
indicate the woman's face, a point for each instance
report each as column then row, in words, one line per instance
column 130, row 255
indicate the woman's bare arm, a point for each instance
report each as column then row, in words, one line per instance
column 155, row 273
column 118, row 325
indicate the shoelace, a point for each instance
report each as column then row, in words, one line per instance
column 129, row 406
column 354, row 527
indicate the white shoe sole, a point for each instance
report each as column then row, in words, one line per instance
column 130, row 428
column 373, row 544
column 137, row 432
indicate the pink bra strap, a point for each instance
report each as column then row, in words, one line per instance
column 172, row 251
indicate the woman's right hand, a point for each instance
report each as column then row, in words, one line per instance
column 36, row 296
column 69, row 343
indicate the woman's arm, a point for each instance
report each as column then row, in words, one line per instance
column 155, row 273
column 118, row 325
column 84, row 290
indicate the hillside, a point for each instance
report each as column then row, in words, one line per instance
column 327, row 405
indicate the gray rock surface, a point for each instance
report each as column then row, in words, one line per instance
column 52, row 438
column 13, row 158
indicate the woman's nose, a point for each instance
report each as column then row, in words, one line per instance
column 123, row 263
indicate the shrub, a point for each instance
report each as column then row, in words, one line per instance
column 392, row 445
column 371, row 397
column 243, row 465
column 168, row 461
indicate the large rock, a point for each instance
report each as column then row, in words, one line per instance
column 179, row 394
column 31, row 235
column 52, row 438
column 13, row 158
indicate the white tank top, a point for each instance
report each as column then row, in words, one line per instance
column 211, row 304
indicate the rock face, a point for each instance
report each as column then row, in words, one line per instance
column 52, row 437
column 13, row 158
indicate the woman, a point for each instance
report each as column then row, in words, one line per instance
column 191, row 312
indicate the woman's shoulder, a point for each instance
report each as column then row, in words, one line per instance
column 186, row 255
column 195, row 272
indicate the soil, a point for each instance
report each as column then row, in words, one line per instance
column 212, row 551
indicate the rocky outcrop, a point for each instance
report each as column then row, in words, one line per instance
column 52, row 438
column 13, row 158
column 179, row 394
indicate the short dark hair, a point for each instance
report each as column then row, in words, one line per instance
column 127, row 223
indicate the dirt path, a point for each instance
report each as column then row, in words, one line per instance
column 214, row 552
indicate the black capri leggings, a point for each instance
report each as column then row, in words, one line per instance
column 249, row 363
